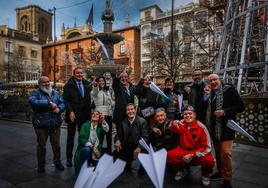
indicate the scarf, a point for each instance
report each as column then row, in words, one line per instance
column 219, row 104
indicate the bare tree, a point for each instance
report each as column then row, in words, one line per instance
column 160, row 55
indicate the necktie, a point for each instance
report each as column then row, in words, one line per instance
column 80, row 89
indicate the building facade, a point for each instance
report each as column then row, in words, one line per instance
column 78, row 47
column 194, row 38
column 20, row 55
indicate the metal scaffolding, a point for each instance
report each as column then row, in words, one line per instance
column 243, row 53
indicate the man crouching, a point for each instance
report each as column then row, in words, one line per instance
column 194, row 146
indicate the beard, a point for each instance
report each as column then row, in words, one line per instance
column 198, row 81
column 47, row 90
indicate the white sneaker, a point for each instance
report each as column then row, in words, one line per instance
column 205, row 181
column 179, row 175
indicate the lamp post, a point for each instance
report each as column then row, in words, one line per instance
column 55, row 54
column 171, row 33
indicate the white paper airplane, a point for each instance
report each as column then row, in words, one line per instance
column 180, row 98
column 103, row 47
column 156, row 89
column 104, row 174
column 234, row 126
column 154, row 163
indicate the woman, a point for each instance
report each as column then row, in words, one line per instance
column 104, row 103
column 90, row 141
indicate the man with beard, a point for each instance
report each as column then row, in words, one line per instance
column 223, row 105
column 194, row 146
column 47, row 105
column 77, row 99
column 195, row 93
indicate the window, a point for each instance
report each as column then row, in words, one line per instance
column 122, row 49
column 34, row 53
column 78, row 44
column 8, row 44
column 147, row 15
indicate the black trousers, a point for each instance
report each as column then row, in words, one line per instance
column 71, row 130
column 41, row 137
column 108, row 135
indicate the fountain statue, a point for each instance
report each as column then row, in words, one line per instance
column 108, row 38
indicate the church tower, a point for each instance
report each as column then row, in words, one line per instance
column 35, row 20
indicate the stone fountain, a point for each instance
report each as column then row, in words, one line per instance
column 108, row 38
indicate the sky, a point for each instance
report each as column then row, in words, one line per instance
column 67, row 11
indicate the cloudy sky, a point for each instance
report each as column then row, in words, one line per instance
column 67, row 11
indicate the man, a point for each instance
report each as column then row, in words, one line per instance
column 160, row 134
column 132, row 129
column 78, row 107
column 194, row 146
column 195, row 93
column 47, row 105
column 223, row 104
column 123, row 91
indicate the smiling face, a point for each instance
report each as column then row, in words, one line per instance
column 101, row 82
column 44, row 82
column 95, row 117
column 78, row 74
column 160, row 117
column 169, row 85
column 214, row 81
column 124, row 79
column 189, row 116
column 197, row 76
column 131, row 111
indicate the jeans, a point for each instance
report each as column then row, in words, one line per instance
column 86, row 153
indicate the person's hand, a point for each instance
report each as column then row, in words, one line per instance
column 96, row 152
column 53, row 105
column 117, row 145
column 101, row 118
column 177, row 123
column 187, row 158
column 56, row 110
column 157, row 131
column 219, row 113
column 187, row 90
column 94, row 83
column 72, row 116
column 136, row 152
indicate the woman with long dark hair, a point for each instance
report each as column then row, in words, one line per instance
column 104, row 103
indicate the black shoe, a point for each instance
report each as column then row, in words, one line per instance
column 227, row 184
column 41, row 169
column 216, row 176
column 59, row 167
column 69, row 163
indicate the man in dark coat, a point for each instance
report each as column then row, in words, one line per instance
column 223, row 105
column 123, row 91
column 195, row 92
column 160, row 135
column 47, row 105
column 132, row 129
column 78, row 107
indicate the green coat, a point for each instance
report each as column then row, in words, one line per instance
column 82, row 140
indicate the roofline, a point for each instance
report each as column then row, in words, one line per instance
column 33, row 6
column 127, row 28
column 152, row 6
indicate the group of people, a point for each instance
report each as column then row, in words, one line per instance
column 98, row 110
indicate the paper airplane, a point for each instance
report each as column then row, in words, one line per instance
column 156, row 89
column 234, row 126
column 103, row 175
column 180, row 98
column 154, row 163
column 103, row 47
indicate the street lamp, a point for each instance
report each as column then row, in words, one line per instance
column 171, row 37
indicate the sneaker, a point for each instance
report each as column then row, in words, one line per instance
column 59, row 167
column 216, row 176
column 227, row 184
column 69, row 163
column 180, row 175
column 205, row 181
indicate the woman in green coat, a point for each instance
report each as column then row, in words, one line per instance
column 90, row 140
